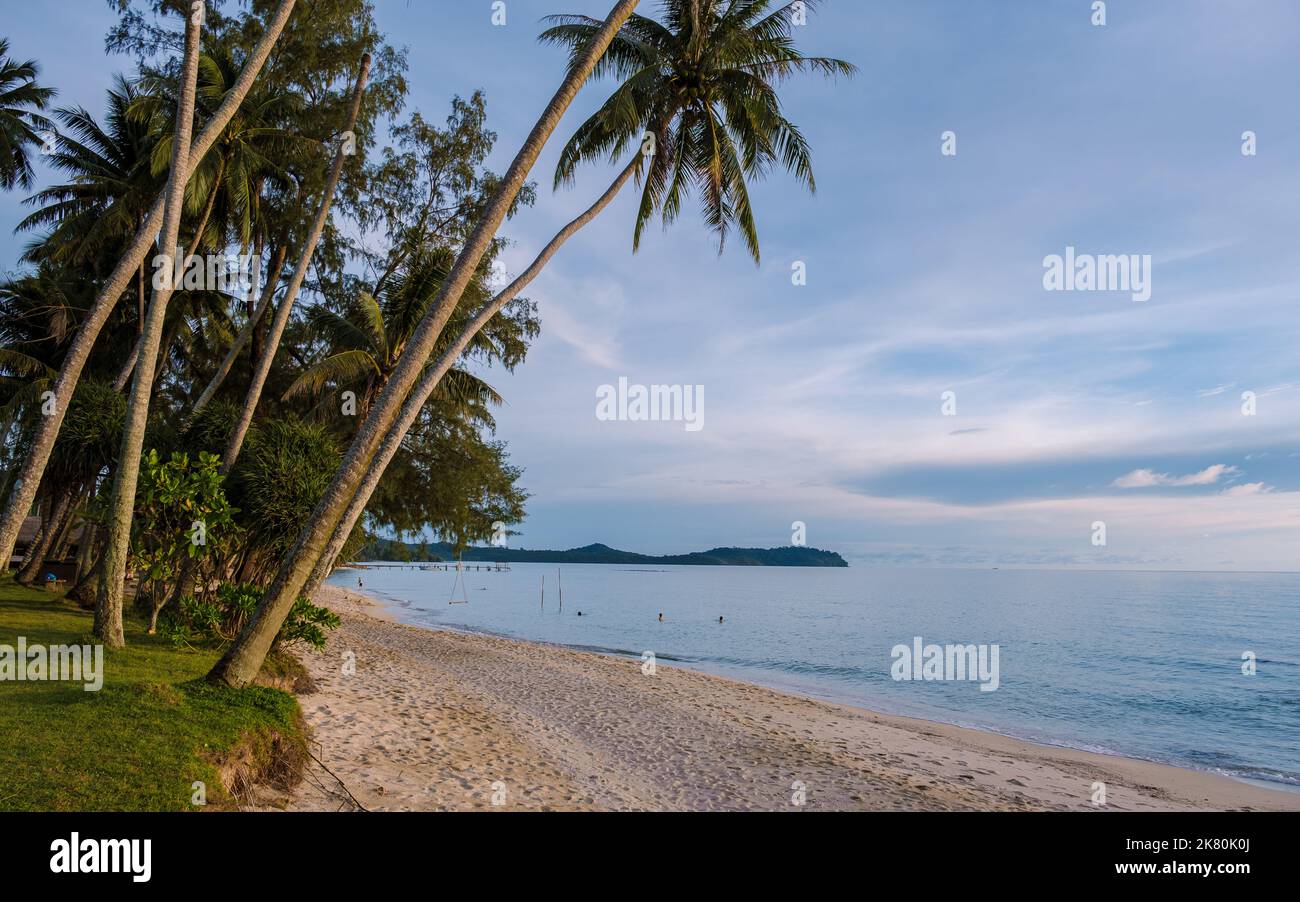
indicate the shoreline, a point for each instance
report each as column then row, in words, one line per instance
column 454, row 720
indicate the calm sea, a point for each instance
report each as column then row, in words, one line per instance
column 1147, row 665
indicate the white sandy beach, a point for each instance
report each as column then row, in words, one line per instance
column 436, row 720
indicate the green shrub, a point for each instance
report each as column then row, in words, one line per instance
column 181, row 515
column 285, row 468
column 218, row 620
column 306, row 622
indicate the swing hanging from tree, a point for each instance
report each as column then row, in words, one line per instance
column 459, row 581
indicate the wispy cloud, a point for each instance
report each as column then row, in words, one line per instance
column 824, row 400
column 1144, row 479
column 1249, row 488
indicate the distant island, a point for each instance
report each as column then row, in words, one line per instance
column 789, row 556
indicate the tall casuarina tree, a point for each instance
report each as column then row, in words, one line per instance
column 262, row 367
column 698, row 94
column 281, row 319
column 47, row 430
column 108, row 598
column 242, row 661
column 245, row 334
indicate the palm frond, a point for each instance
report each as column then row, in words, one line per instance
column 346, row 368
column 703, row 81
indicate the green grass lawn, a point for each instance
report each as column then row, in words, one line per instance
column 141, row 741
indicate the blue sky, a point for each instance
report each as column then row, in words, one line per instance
column 823, row 401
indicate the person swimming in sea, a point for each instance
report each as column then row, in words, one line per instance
column 580, row 613
column 661, row 617
column 719, row 620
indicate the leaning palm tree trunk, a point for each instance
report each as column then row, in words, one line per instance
column 43, row 506
column 124, row 374
column 59, row 550
column 263, row 368
column 38, row 456
column 121, row 506
column 44, row 541
column 85, row 550
column 242, row 661
column 120, row 382
column 228, row 362
column 434, row 374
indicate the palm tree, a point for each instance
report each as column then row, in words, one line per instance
column 108, row 595
column 227, row 184
column 366, row 341
column 20, row 501
column 262, row 366
column 281, row 318
column 110, row 186
column 703, row 84
column 460, row 395
column 223, row 197
column 20, row 97
column 242, row 661
column 23, row 380
column 84, row 451
column 37, row 313
column 107, row 198
column 365, row 345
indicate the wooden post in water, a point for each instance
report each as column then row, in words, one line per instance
column 561, row 585
column 543, row 591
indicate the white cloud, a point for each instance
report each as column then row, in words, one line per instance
column 1211, row 392
column 1249, row 488
column 1142, row 479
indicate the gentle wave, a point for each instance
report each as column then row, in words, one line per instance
column 1143, row 665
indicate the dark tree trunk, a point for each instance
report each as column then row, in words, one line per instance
column 157, row 601
column 36, row 555
column 85, row 550
column 83, row 593
column 186, row 580
column 59, row 552
column 40, row 510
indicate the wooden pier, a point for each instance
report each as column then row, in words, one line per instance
column 499, row 567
